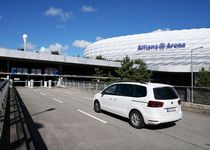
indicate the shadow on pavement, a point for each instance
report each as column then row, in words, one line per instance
column 115, row 116
column 50, row 109
column 160, row 126
column 150, row 127
column 19, row 131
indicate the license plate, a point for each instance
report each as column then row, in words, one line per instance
column 171, row 109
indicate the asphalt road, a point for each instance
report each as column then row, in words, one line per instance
column 66, row 120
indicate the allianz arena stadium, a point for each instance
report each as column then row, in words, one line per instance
column 163, row 51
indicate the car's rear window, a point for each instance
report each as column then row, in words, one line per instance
column 164, row 93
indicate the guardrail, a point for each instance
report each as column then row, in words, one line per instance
column 84, row 85
column 201, row 94
column 4, row 86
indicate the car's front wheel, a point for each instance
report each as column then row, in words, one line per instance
column 136, row 119
column 97, row 106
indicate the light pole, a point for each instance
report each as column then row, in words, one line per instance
column 192, row 72
column 25, row 38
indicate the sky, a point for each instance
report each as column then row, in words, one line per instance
column 69, row 26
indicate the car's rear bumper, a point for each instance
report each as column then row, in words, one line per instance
column 163, row 119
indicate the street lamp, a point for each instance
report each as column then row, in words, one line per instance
column 192, row 72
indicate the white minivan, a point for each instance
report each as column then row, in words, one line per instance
column 142, row 103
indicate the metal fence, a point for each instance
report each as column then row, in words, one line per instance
column 4, row 86
column 84, row 85
column 201, row 94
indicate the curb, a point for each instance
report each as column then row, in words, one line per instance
column 198, row 108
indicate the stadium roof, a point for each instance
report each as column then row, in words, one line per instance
column 168, row 51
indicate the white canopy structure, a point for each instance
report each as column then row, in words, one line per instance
column 167, row 51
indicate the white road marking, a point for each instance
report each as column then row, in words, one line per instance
column 57, row 100
column 43, row 93
column 35, row 90
column 91, row 116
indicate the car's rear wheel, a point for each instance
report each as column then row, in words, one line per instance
column 97, row 106
column 136, row 119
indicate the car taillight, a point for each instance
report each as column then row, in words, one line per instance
column 155, row 104
column 179, row 102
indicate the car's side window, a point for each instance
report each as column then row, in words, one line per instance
column 124, row 90
column 140, row 91
column 110, row 90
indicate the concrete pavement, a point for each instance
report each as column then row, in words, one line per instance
column 66, row 120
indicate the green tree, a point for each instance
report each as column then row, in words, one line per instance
column 141, row 73
column 55, row 52
column 100, row 57
column 126, row 70
column 98, row 72
column 203, row 78
column 133, row 70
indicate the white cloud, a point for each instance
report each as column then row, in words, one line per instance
column 98, row 38
column 81, row 43
column 88, row 9
column 161, row 30
column 54, row 47
column 59, row 14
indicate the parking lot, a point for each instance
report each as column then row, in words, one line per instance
column 66, row 120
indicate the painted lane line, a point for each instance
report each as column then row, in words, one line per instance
column 35, row 90
column 43, row 93
column 57, row 100
column 91, row 116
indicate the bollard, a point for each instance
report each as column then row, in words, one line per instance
column 96, row 86
column 45, row 83
column 32, row 83
column 59, row 82
column 29, row 83
column 26, row 83
column 11, row 83
column 89, row 85
column 50, row 83
column 41, row 83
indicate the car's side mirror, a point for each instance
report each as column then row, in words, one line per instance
column 102, row 93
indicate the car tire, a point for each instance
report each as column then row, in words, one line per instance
column 136, row 119
column 97, row 106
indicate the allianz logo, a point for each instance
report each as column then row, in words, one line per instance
column 161, row 46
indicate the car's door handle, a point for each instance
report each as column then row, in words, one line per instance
column 114, row 99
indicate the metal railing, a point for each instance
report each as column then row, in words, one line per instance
column 4, row 86
column 201, row 94
column 84, row 85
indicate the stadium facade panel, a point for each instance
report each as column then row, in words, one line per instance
column 166, row 51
